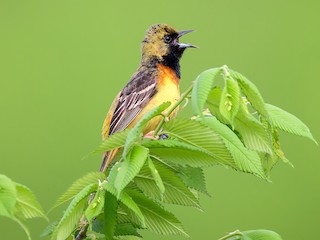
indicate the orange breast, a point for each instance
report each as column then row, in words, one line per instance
column 167, row 74
column 167, row 90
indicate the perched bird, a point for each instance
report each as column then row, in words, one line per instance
column 155, row 81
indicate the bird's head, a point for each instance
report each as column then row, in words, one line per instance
column 161, row 43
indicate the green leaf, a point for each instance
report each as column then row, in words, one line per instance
column 96, row 205
column 202, row 86
column 128, row 238
column 156, row 176
column 27, row 205
column 49, row 229
column 213, row 103
column 123, row 229
column 115, row 140
column 194, row 178
column 230, row 99
column 261, row 234
column 98, row 224
column 110, row 215
column 8, row 196
column 251, row 92
column 135, row 133
column 127, row 201
column 201, row 137
column 245, row 159
column 72, row 215
column 176, row 191
column 23, row 226
column 269, row 161
column 288, row 122
column 91, row 235
column 157, row 219
column 77, row 186
column 130, row 167
column 180, row 153
column 253, row 133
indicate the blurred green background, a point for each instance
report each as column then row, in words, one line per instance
column 63, row 61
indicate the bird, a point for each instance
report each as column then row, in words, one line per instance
column 155, row 81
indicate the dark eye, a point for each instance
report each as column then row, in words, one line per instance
column 167, row 38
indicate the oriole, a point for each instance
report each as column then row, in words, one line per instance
column 155, row 81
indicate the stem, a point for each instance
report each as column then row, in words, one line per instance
column 232, row 234
column 172, row 108
column 83, row 232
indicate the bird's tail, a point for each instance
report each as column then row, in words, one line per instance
column 107, row 159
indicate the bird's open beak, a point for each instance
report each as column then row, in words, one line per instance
column 185, row 45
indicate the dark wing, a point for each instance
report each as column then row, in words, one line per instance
column 135, row 95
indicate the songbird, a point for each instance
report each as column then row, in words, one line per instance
column 155, row 81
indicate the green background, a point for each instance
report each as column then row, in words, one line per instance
column 62, row 62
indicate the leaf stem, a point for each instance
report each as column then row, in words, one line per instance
column 172, row 108
column 232, row 234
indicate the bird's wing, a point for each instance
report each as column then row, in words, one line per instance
column 131, row 100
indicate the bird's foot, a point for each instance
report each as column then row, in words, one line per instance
column 163, row 136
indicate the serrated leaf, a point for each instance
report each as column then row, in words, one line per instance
column 251, row 92
column 98, row 224
column 213, row 103
column 230, row 100
column 253, row 133
column 27, row 205
column 96, row 205
column 126, row 200
column 158, row 220
column 194, row 178
column 288, row 122
column 91, row 235
column 8, row 196
column 128, row 238
column 130, row 167
column 201, row 88
column 115, row 140
column 180, row 153
column 201, row 137
column 77, row 186
column 123, row 229
column 49, row 229
column 156, row 176
column 136, row 131
column 245, row 159
column 269, row 161
column 176, row 191
column 73, row 213
column 261, row 234
column 110, row 215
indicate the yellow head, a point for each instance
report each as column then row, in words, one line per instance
column 161, row 44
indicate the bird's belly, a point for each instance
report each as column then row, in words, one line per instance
column 168, row 90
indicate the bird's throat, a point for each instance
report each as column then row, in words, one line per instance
column 167, row 74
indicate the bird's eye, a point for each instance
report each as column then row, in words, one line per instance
column 167, row 38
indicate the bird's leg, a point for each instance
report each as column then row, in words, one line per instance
column 163, row 136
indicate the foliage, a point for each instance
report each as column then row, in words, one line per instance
column 260, row 234
column 232, row 127
column 18, row 203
